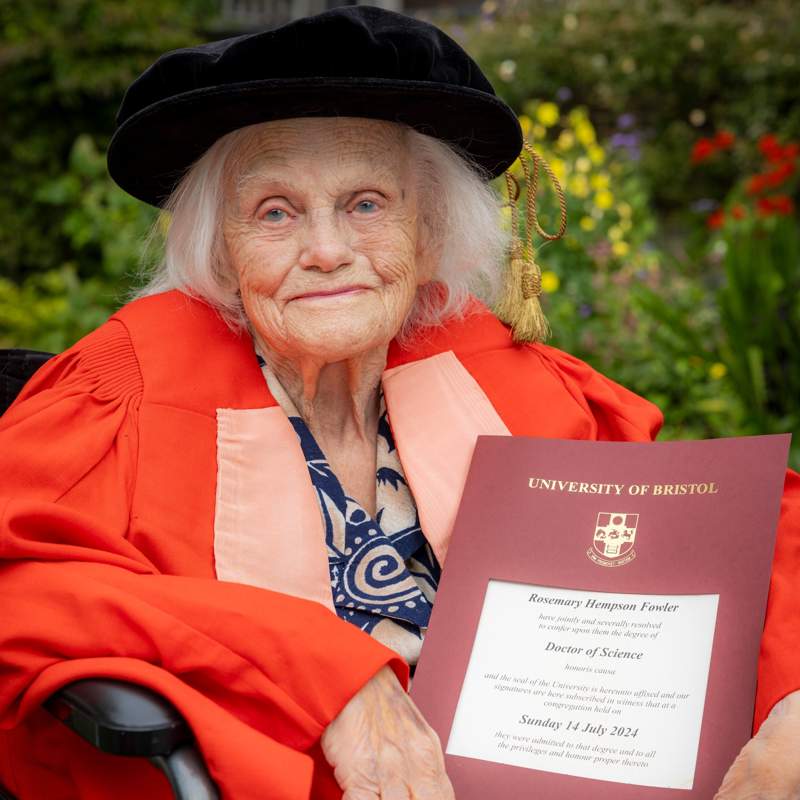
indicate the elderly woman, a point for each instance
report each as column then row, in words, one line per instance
column 233, row 491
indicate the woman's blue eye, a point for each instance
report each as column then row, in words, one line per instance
column 275, row 215
column 367, row 206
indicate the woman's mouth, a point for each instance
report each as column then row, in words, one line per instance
column 342, row 291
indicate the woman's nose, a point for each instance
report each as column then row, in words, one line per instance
column 326, row 244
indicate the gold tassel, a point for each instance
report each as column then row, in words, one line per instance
column 520, row 306
column 508, row 308
column 510, row 303
column 531, row 324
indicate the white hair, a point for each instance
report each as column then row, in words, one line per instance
column 458, row 206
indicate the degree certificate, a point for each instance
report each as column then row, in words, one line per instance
column 596, row 629
column 592, row 684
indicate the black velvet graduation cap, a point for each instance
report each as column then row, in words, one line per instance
column 355, row 61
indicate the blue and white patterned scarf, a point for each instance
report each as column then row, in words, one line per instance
column 383, row 572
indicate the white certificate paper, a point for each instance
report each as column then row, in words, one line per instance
column 592, row 684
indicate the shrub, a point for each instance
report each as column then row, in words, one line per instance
column 669, row 68
column 104, row 227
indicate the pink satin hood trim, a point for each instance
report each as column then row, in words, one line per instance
column 437, row 410
column 268, row 527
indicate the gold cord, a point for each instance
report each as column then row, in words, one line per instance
column 520, row 306
column 532, row 216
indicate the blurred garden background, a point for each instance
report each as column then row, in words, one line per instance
column 673, row 125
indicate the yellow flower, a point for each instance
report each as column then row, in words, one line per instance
column 565, row 140
column 597, row 154
column 587, row 224
column 600, row 180
column 577, row 115
column 539, row 131
column 550, row 281
column 717, row 370
column 604, row 199
column 578, row 186
column 526, row 124
column 625, row 225
column 620, row 249
column 516, row 169
column 584, row 131
column 615, row 233
column 559, row 168
column 548, row 114
column 624, row 210
column 583, row 164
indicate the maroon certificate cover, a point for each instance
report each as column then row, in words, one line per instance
column 596, row 629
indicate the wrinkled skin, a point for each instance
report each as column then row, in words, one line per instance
column 768, row 767
column 381, row 747
column 324, row 205
column 321, row 227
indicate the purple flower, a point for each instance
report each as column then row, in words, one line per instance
column 625, row 140
column 703, row 205
column 563, row 93
column 625, row 121
column 584, row 310
column 629, row 142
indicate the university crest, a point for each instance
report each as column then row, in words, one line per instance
column 614, row 535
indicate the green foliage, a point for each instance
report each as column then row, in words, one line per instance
column 759, row 307
column 53, row 310
column 709, row 337
column 65, row 66
column 104, row 227
column 678, row 67
column 746, row 328
column 616, row 299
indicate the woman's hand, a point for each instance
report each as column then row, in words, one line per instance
column 381, row 748
column 768, row 768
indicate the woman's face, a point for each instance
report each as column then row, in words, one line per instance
column 321, row 229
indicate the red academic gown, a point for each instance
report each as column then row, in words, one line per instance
column 107, row 496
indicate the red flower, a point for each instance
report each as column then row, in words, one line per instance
column 757, row 184
column 739, row 211
column 703, row 150
column 776, row 204
column 716, row 220
column 723, row 140
column 771, row 149
column 783, row 204
column 779, row 175
column 770, row 180
column 791, row 150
